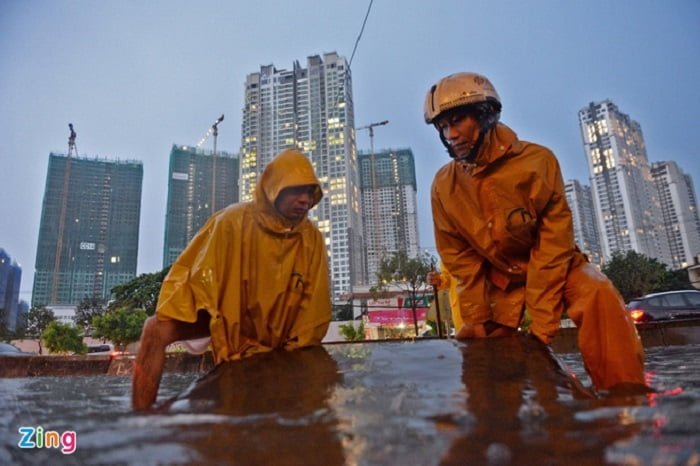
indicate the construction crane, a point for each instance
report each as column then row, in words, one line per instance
column 214, row 130
column 375, row 233
column 72, row 149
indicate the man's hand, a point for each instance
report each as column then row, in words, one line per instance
column 488, row 329
column 471, row 331
column 433, row 278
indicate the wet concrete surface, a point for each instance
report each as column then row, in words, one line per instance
column 505, row 401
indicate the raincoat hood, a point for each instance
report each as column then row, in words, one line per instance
column 288, row 169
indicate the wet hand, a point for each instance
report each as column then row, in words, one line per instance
column 471, row 331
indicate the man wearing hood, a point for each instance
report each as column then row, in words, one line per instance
column 254, row 279
column 504, row 230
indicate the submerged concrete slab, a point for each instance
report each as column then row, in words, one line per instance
column 500, row 401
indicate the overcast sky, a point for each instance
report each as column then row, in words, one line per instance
column 135, row 77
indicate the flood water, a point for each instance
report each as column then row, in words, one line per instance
column 428, row 421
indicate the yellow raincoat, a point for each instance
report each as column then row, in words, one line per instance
column 263, row 282
column 504, row 231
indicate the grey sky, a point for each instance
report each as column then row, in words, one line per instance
column 136, row 77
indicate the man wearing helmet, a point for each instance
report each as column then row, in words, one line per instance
column 504, row 231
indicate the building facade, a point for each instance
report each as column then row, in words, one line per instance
column 10, row 279
column 389, row 205
column 311, row 109
column 89, row 231
column 585, row 222
column 199, row 184
column 626, row 202
column 680, row 212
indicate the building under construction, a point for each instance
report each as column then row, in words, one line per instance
column 389, row 205
column 89, row 232
column 200, row 183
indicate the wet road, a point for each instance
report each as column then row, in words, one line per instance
column 424, row 402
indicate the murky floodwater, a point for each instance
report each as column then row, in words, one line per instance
column 420, row 403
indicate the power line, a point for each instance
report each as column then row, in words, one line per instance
column 359, row 36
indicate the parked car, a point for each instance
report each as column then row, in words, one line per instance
column 7, row 349
column 669, row 305
column 99, row 349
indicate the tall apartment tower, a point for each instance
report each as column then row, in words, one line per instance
column 680, row 212
column 199, row 184
column 585, row 222
column 389, row 205
column 89, row 231
column 311, row 109
column 625, row 198
column 10, row 278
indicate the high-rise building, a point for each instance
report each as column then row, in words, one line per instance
column 10, row 278
column 389, row 205
column 625, row 198
column 585, row 223
column 199, row 184
column 311, row 109
column 680, row 212
column 89, row 232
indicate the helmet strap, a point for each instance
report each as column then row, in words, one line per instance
column 471, row 156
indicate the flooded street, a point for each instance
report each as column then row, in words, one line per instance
column 427, row 402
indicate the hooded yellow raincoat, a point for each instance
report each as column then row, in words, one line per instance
column 263, row 281
column 504, row 230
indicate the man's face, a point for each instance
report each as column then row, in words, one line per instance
column 294, row 203
column 461, row 131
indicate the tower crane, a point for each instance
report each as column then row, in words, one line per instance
column 72, row 149
column 214, row 130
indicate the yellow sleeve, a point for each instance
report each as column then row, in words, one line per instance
column 314, row 315
column 552, row 254
column 464, row 264
column 192, row 283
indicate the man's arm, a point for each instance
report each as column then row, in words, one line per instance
column 552, row 254
column 466, row 266
column 148, row 367
column 314, row 315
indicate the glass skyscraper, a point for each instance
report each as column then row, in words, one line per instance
column 89, row 231
column 10, row 278
column 311, row 109
column 580, row 200
column 626, row 200
column 680, row 212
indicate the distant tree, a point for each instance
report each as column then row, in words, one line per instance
column 120, row 326
column 675, row 280
column 406, row 273
column 634, row 274
column 5, row 334
column 20, row 327
column 88, row 308
column 352, row 333
column 342, row 311
column 140, row 292
column 63, row 338
column 38, row 319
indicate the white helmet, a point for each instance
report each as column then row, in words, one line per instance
column 459, row 90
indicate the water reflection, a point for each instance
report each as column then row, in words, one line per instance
column 427, row 402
